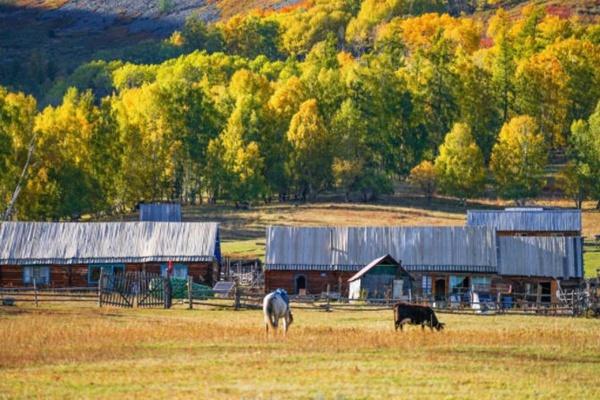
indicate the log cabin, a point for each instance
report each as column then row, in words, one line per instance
column 530, row 251
column 72, row 254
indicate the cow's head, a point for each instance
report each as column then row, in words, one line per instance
column 440, row 326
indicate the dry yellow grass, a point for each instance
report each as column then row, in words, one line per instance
column 92, row 353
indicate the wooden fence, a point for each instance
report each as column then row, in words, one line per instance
column 241, row 299
column 9, row 296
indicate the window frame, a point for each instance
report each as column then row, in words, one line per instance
column 106, row 268
column 32, row 275
column 176, row 267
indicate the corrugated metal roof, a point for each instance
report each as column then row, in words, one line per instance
column 532, row 220
column 160, row 212
column 105, row 242
column 558, row 257
column 332, row 248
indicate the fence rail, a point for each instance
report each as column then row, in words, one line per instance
column 241, row 299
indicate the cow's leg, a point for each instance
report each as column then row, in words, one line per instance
column 422, row 327
column 267, row 330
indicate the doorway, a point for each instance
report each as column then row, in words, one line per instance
column 546, row 292
column 440, row 289
column 300, row 284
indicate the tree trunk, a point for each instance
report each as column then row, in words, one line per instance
column 22, row 178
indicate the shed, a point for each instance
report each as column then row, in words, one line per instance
column 381, row 278
column 528, row 220
column 160, row 212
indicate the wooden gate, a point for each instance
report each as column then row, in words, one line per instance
column 132, row 289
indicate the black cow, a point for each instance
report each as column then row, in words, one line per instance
column 415, row 315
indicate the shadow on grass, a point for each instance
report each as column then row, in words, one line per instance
column 501, row 355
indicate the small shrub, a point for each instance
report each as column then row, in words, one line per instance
column 165, row 6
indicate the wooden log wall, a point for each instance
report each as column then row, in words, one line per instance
column 77, row 275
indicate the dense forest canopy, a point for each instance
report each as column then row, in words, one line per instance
column 342, row 95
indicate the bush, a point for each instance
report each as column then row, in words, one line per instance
column 179, row 290
column 165, row 6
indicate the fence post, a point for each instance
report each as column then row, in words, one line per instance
column 190, row 294
column 35, row 294
column 237, row 297
column 100, row 289
column 328, row 306
column 167, row 292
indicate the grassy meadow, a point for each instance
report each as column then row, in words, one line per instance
column 85, row 352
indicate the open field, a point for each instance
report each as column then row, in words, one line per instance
column 85, row 352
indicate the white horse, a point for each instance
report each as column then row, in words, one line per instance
column 274, row 309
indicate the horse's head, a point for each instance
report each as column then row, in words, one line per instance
column 440, row 326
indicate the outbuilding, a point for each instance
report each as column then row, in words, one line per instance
column 532, row 252
column 72, row 254
column 382, row 278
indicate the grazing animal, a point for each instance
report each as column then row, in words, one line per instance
column 276, row 306
column 415, row 315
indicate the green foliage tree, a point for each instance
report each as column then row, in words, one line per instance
column 251, row 36
column 503, row 64
column 581, row 177
column 518, row 160
column 197, row 35
column 459, row 167
column 310, row 156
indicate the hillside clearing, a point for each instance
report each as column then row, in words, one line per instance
column 98, row 353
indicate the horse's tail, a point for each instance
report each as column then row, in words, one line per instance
column 269, row 314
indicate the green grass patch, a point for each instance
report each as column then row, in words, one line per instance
column 591, row 260
column 251, row 248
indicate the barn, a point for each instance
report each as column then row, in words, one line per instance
column 539, row 249
column 530, row 251
column 310, row 258
column 382, row 278
column 160, row 212
column 72, row 254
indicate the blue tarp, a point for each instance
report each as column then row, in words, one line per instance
column 283, row 294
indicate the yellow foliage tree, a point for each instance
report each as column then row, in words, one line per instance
column 518, row 159
column 423, row 176
column 459, row 167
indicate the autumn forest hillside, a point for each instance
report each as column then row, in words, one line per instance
column 104, row 105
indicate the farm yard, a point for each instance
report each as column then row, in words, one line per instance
column 84, row 352
column 243, row 231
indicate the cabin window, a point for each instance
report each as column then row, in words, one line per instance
column 179, row 271
column 426, row 285
column 459, row 284
column 110, row 269
column 482, row 283
column 41, row 274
